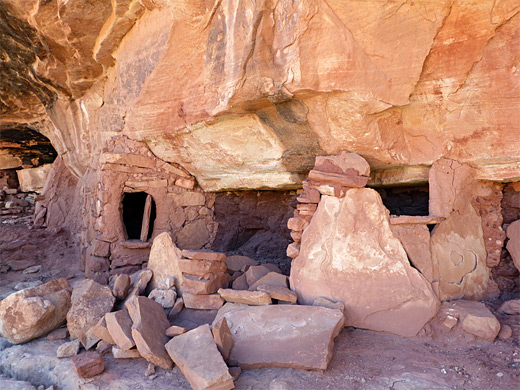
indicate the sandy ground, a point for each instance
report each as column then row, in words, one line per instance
column 362, row 359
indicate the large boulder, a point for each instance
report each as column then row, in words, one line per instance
column 349, row 254
column 90, row 302
column 281, row 335
column 33, row 312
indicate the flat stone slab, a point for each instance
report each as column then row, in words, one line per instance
column 281, row 335
column 197, row 356
column 149, row 330
column 244, row 296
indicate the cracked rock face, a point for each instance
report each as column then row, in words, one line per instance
column 349, row 254
column 244, row 95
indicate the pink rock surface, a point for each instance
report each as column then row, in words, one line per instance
column 281, row 335
column 349, row 247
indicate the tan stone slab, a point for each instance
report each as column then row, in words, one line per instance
column 174, row 330
column 281, row 335
column 119, row 325
column 148, row 330
column 90, row 302
column 118, row 353
column 101, row 332
column 272, row 278
column 198, row 358
column 202, row 302
column 343, row 180
column 186, row 199
column 222, row 337
column 324, row 302
column 236, row 262
column 280, row 293
column 254, row 273
column 246, row 297
column 415, row 219
column 33, row 312
column 201, row 267
column 194, row 285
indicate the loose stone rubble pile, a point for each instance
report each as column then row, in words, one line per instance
column 259, row 326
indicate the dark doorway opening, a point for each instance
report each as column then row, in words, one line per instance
column 138, row 216
column 254, row 224
column 413, row 201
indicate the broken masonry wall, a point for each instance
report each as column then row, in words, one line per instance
column 181, row 208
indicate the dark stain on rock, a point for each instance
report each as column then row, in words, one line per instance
column 288, row 119
column 19, row 48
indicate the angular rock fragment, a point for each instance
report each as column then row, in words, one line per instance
column 245, row 297
column 164, row 261
column 164, row 297
column 254, row 273
column 324, row 302
column 118, row 353
column 236, row 262
column 198, row 358
column 235, row 372
column 121, row 286
column 88, row 364
column 101, row 332
column 510, row 307
column 505, row 332
column 68, row 349
column 203, row 302
column 201, row 267
column 349, row 247
column 240, row 283
column 475, row 318
column 58, row 334
column 222, row 337
column 281, row 335
column 140, row 279
column 33, row 312
column 272, row 279
column 119, row 326
column 174, row 330
column 194, row 285
column 148, row 330
column 90, row 302
column 280, row 293
column 176, row 309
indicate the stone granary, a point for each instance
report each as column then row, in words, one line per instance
column 356, row 163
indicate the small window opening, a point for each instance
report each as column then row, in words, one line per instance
column 412, row 201
column 138, row 215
